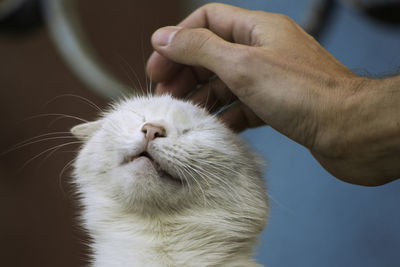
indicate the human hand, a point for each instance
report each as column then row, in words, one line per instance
column 280, row 75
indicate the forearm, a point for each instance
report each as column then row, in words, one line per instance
column 367, row 136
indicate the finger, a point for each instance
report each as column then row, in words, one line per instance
column 213, row 95
column 160, row 68
column 201, row 74
column 202, row 48
column 179, row 86
column 175, row 79
column 240, row 117
column 229, row 22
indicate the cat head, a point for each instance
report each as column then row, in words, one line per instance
column 157, row 154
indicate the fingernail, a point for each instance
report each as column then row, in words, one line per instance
column 163, row 36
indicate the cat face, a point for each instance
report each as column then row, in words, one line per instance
column 159, row 154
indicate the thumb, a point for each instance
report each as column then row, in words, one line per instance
column 199, row 47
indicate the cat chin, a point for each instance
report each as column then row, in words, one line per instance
column 147, row 166
column 144, row 166
column 143, row 191
column 141, row 184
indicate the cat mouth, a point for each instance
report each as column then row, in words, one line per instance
column 163, row 174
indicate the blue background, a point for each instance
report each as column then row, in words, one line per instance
column 315, row 219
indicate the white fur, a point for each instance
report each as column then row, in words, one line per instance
column 136, row 218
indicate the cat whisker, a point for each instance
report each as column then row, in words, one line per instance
column 279, row 203
column 34, row 142
column 133, row 72
column 195, row 170
column 201, row 189
column 30, row 139
column 66, row 166
column 234, row 195
column 55, row 114
column 49, row 149
column 144, row 64
column 213, row 106
column 208, row 95
column 151, row 83
column 84, row 99
column 218, row 166
column 186, row 180
column 231, row 190
column 63, row 117
column 48, row 156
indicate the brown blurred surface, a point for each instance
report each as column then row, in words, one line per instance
column 38, row 225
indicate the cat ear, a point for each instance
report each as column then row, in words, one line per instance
column 85, row 130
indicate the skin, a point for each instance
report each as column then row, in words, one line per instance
column 280, row 76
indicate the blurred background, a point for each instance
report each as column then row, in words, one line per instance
column 315, row 219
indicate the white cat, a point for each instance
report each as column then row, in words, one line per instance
column 164, row 183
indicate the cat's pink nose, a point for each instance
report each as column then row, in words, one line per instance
column 153, row 130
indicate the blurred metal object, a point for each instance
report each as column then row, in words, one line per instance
column 321, row 12
column 19, row 17
column 386, row 11
column 9, row 6
column 66, row 32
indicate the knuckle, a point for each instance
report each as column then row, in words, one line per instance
column 285, row 23
column 282, row 18
column 195, row 39
column 259, row 15
column 203, row 38
column 242, row 78
column 193, row 43
column 211, row 6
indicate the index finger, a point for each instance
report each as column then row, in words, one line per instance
column 234, row 24
column 231, row 23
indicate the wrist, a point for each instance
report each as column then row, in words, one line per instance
column 362, row 143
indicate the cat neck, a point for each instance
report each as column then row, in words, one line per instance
column 195, row 239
